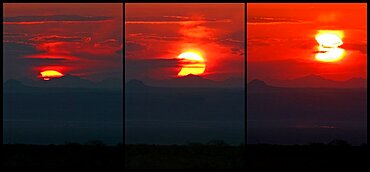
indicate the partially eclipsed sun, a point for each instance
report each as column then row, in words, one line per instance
column 193, row 63
column 328, row 50
column 48, row 74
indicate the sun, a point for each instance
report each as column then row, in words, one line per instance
column 328, row 48
column 194, row 63
column 190, row 55
column 330, row 39
column 48, row 74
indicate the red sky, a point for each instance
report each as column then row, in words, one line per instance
column 79, row 39
column 157, row 33
column 281, row 40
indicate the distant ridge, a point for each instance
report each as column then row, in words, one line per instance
column 196, row 81
column 13, row 86
column 13, row 83
column 191, row 81
column 135, row 85
column 67, row 81
column 316, row 81
column 257, row 85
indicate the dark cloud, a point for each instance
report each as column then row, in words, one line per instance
column 162, row 38
column 152, row 63
column 143, row 68
column 235, row 41
column 171, row 20
column 303, row 43
column 238, row 36
column 58, row 38
column 12, row 49
column 292, row 43
column 197, row 31
column 132, row 46
column 255, row 42
column 14, row 34
column 54, row 18
column 167, row 18
column 359, row 47
column 271, row 20
column 272, row 69
column 45, row 59
column 16, row 66
column 237, row 51
column 108, row 43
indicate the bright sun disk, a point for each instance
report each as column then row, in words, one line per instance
column 328, row 48
column 48, row 74
column 194, row 63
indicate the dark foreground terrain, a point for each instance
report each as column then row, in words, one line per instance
column 69, row 155
column 277, row 115
column 334, row 155
column 172, row 115
column 193, row 156
column 317, row 156
column 205, row 156
column 42, row 116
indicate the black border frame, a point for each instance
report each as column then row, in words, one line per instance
column 191, row 1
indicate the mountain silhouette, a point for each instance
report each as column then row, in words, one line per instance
column 191, row 81
column 316, row 81
column 257, row 83
column 257, row 86
column 196, row 81
column 65, row 83
column 69, row 81
column 191, row 77
column 12, row 85
column 135, row 86
column 135, row 83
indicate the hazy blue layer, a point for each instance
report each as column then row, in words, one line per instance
column 58, row 117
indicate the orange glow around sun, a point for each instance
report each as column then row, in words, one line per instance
column 48, row 74
column 194, row 63
column 328, row 50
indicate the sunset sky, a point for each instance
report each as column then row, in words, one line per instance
column 86, row 39
column 281, row 40
column 78, row 39
column 156, row 34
